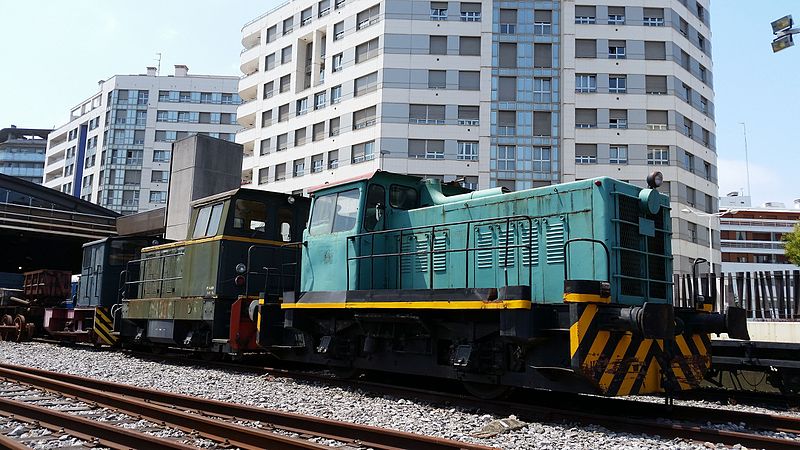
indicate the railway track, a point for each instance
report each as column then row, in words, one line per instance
column 753, row 430
column 222, row 424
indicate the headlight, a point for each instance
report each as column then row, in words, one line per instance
column 241, row 268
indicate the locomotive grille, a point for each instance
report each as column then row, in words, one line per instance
column 642, row 259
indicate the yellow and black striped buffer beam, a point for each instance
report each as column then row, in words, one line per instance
column 623, row 363
column 103, row 326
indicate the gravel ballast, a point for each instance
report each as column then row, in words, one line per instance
column 324, row 401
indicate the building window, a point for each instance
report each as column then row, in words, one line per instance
column 333, row 126
column 264, row 146
column 338, row 30
column 319, row 100
column 282, row 142
column 426, row 114
column 438, row 11
column 470, row 12
column 617, row 84
column 269, row 89
column 302, row 106
column 318, row 132
column 657, row 156
column 158, row 197
column 437, row 79
column 324, row 8
column 336, row 94
column 616, row 49
column 506, row 157
column 585, row 153
column 542, row 55
column 469, row 46
column 367, row 50
column 542, row 90
column 585, row 83
column 704, row 105
column 585, row 118
column 366, row 84
column 618, row 118
column 657, row 120
column 286, row 54
column 280, row 172
column 655, row 50
column 283, row 113
column 467, row 150
column 653, row 17
column 541, row 159
column 437, row 45
column 299, row 137
column 507, row 123
column 305, row 17
column 542, row 22
column 363, row 152
column 508, row 21
column 616, row 15
column 585, row 48
column 364, row 118
column 507, row 89
column 585, row 15
column 468, row 115
column 618, row 154
column 263, row 175
column 426, row 149
column 337, row 62
column 317, row 164
column 286, row 82
column 469, row 80
column 692, row 229
column 299, row 168
column 333, row 159
column 368, row 17
column 288, row 25
column 655, row 84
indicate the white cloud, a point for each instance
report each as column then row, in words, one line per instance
column 767, row 184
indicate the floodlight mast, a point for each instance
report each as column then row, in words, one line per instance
column 783, row 31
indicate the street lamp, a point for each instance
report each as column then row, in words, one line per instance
column 783, row 31
column 711, row 217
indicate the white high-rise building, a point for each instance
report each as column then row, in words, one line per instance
column 115, row 150
column 515, row 94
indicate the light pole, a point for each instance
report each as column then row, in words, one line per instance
column 783, row 31
column 711, row 217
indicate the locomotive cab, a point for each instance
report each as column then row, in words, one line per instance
column 196, row 293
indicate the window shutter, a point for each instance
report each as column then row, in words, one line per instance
column 508, row 16
column 542, row 55
column 416, row 147
column 470, row 7
column 618, row 114
column 654, row 50
column 586, row 116
column 541, row 124
column 543, row 16
column 469, row 45
column 468, row 80
column 438, row 45
column 585, row 48
column 656, row 84
column 657, row 13
column 586, row 150
column 585, row 11
column 507, row 89
column 656, row 117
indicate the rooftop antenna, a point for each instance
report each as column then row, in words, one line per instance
column 158, row 60
column 746, row 159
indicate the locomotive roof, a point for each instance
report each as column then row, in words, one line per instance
column 239, row 191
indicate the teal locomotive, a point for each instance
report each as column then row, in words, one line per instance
column 566, row 287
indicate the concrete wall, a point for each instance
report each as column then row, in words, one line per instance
column 201, row 166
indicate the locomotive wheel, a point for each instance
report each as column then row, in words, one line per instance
column 22, row 329
column 345, row 373
column 485, row 391
column 6, row 320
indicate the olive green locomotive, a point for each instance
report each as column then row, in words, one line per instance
column 197, row 293
column 566, row 287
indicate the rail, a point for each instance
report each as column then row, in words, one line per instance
column 430, row 233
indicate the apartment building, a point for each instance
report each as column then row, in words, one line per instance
column 22, row 153
column 751, row 236
column 491, row 93
column 116, row 148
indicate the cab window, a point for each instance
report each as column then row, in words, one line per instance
column 285, row 217
column 250, row 215
column 207, row 223
column 334, row 213
column 121, row 252
column 374, row 206
column 403, row 197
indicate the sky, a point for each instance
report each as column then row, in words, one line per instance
column 54, row 52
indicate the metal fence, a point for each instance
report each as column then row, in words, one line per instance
column 765, row 295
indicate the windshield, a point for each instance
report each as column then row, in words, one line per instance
column 334, row 213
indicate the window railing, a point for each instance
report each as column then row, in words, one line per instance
column 438, row 14
column 324, row 11
column 585, row 89
column 657, row 126
column 585, row 125
column 467, row 157
column 617, row 90
column 363, row 158
column 506, row 130
column 470, row 16
column 419, row 121
column 653, row 22
column 333, row 164
column 364, row 124
column 585, row 159
column 619, row 124
column 615, row 19
column 305, row 21
column 469, row 122
column 585, row 20
column 508, row 28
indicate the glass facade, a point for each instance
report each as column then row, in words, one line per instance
column 22, row 153
column 525, row 106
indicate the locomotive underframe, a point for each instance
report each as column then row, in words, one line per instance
column 532, row 346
